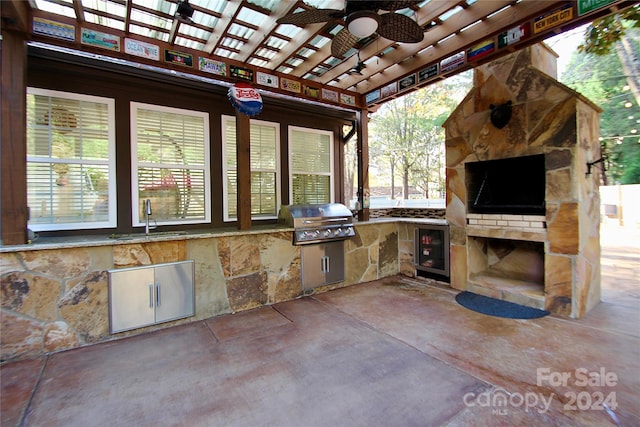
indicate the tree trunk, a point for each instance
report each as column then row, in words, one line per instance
column 393, row 180
column 630, row 66
column 405, row 183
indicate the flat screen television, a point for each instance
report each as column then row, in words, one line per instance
column 509, row 186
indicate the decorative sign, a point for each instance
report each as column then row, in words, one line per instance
column 212, row 67
column 452, row 62
column 312, row 92
column 389, row 89
column 246, row 99
column 241, row 73
column 586, row 6
column 290, row 85
column 481, row 50
column 407, row 82
column 347, row 99
column 54, row 29
column 553, row 19
column 266, row 79
column 178, row 58
column 329, row 95
column 428, row 73
column 142, row 49
column 372, row 96
column 101, row 40
column 514, row 35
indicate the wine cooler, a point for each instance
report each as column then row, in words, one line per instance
column 432, row 251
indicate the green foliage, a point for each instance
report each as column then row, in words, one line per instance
column 598, row 73
column 406, row 135
column 603, row 33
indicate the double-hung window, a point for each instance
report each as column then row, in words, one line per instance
column 311, row 165
column 170, row 164
column 265, row 169
column 71, row 182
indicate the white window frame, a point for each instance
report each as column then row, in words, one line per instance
column 225, row 189
column 330, row 174
column 135, row 198
column 110, row 162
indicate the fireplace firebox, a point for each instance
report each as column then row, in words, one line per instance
column 507, row 186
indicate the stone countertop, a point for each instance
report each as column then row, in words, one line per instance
column 66, row 242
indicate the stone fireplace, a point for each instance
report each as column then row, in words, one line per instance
column 523, row 212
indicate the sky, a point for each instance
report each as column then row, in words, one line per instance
column 564, row 45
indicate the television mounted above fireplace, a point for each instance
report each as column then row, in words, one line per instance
column 507, row 186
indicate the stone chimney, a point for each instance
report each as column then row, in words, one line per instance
column 549, row 260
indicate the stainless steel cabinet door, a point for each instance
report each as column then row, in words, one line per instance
column 334, row 262
column 322, row 264
column 174, row 291
column 312, row 257
column 131, row 299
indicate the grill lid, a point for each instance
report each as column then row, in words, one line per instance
column 318, row 223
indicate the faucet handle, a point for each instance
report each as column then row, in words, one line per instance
column 147, row 207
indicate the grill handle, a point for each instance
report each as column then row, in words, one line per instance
column 316, row 221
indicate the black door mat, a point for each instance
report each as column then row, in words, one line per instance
column 496, row 307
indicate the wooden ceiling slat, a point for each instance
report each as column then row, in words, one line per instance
column 304, row 36
column 387, row 61
column 264, row 31
column 228, row 15
column 520, row 12
column 423, row 16
column 477, row 11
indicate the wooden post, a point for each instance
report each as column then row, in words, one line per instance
column 243, row 161
column 13, row 147
column 362, row 149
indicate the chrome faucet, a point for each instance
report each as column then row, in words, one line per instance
column 147, row 214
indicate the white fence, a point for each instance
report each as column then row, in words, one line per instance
column 620, row 205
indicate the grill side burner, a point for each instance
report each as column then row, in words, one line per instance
column 318, row 223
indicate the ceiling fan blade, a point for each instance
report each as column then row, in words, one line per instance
column 342, row 42
column 313, row 16
column 396, row 5
column 400, row 28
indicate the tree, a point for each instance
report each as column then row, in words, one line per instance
column 406, row 134
column 605, row 69
column 616, row 32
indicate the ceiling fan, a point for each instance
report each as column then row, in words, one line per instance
column 362, row 20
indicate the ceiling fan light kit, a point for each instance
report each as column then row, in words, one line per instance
column 363, row 23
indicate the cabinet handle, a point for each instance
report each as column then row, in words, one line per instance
column 326, row 263
column 151, row 295
column 158, row 297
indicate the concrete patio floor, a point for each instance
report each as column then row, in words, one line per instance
column 394, row 352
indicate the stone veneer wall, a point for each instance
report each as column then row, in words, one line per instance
column 548, row 118
column 431, row 213
column 57, row 299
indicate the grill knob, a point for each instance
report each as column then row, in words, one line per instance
column 327, row 233
column 338, row 231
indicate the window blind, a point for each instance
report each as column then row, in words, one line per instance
column 70, row 161
column 264, row 161
column 311, row 160
column 170, row 162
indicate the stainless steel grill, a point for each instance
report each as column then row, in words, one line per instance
column 318, row 223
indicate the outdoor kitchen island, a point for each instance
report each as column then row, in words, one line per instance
column 55, row 292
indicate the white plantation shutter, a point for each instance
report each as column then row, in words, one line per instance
column 265, row 158
column 311, row 163
column 170, row 164
column 71, row 181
